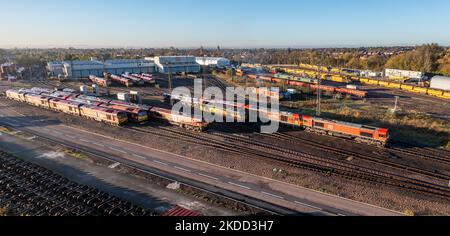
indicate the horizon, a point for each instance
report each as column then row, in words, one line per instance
column 222, row 48
column 233, row 24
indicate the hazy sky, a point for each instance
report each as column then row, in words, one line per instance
column 228, row 23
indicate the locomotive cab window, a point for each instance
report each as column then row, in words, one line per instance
column 284, row 118
column 366, row 134
column 368, row 127
column 319, row 124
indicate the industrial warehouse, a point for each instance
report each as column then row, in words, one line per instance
column 160, row 64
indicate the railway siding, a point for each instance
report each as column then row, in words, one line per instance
column 28, row 189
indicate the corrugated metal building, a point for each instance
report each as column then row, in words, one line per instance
column 176, row 64
column 218, row 62
column 440, row 82
column 82, row 69
column 133, row 66
column 55, row 68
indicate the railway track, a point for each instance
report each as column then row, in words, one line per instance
column 433, row 154
column 45, row 82
column 28, row 189
column 241, row 145
column 329, row 167
column 248, row 203
column 218, row 83
column 340, row 151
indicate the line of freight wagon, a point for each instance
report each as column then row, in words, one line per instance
column 118, row 113
column 311, row 84
column 337, row 75
column 111, row 112
column 126, row 79
column 361, row 133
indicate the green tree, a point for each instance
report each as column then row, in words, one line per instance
column 444, row 63
column 424, row 58
column 2, row 55
column 28, row 61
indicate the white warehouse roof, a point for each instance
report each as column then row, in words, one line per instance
column 213, row 61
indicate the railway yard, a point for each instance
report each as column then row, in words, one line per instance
column 28, row 189
column 408, row 176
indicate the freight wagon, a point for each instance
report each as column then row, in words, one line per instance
column 147, row 78
column 109, row 116
column 120, row 80
column 338, row 78
column 361, row 133
column 270, row 93
column 306, row 80
column 135, row 80
column 180, row 211
column 16, row 95
column 355, row 75
column 112, row 117
column 134, row 115
column 306, row 84
column 104, row 82
column 68, row 107
column 37, row 100
column 235, row 111
column 93, row 99
column 353, row 92
column 165, row 115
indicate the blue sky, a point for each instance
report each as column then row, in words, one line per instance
column 228, row 23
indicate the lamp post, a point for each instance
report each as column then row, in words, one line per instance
column 170, row 81
column 319, row 95
column 204, row 72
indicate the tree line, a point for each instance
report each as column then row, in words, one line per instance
column 426, row 58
